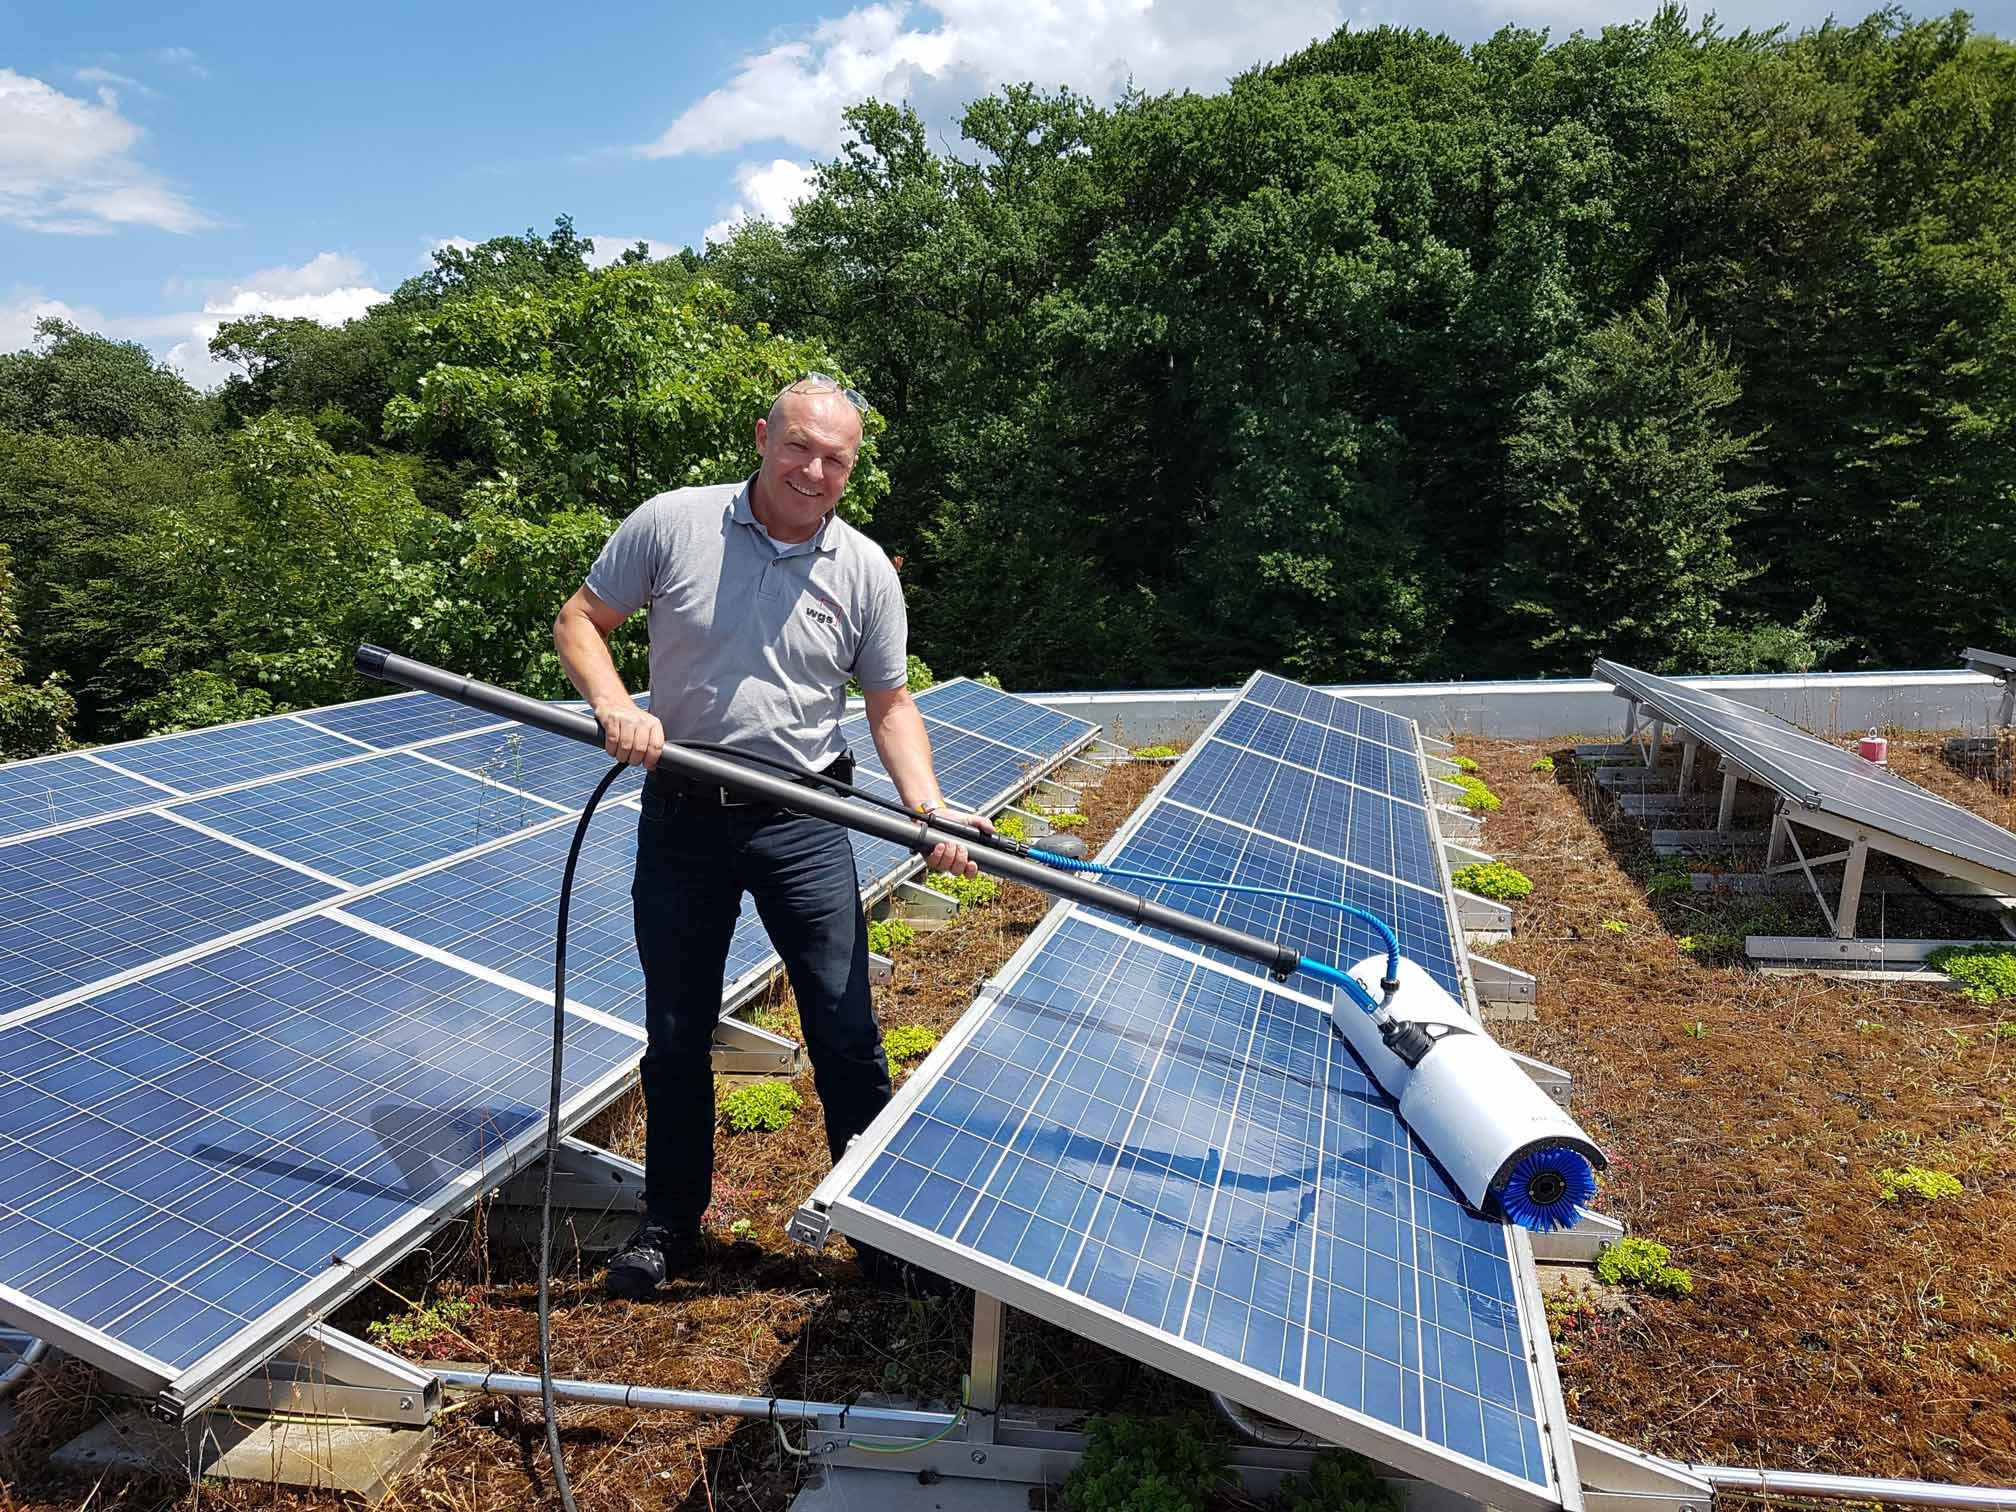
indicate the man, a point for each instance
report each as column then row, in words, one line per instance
column 762, row 603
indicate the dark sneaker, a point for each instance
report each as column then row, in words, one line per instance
column 885, row 1272
column 652, row 1254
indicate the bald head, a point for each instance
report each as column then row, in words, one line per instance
column 815, row 404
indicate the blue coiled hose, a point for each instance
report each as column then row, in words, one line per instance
column 1322, row 971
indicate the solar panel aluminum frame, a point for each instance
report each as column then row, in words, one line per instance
column 183, row 1393
column 832, row 1201
column 1804, row 804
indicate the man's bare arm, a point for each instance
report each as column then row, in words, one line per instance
column 581, row 636
column 905, row 748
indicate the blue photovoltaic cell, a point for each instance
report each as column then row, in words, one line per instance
column 1207, row 1158
column 1173, row 840
column 206, row 759
column 56, row 790
column 973, row 770
column 185, row 1153
column 373, row 820
column 1378, row 833
column 1000, row 716
column 496, row 910
column 87, row 903
column 1335, row 753
column 400, row 719
column 538, row 762
column 1330, row 709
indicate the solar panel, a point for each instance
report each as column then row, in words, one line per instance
column 86, row 904
column 1192, row 1166
column 400, row 719
column 1820, row 777
column 496, row 909
column 1379, row 833
column 371, row 820
column 1148, row 1143
column 55, row 790
column 979, row 709
column 201, row 760
column 536, row 761
column 192, row 1153
column 226, row 1093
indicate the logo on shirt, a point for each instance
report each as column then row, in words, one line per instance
column 825, row 612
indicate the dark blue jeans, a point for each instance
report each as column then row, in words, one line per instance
column 694, row 861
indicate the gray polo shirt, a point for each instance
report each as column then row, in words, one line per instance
column 752, row 643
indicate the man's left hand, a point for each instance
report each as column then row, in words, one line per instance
column 951, row 857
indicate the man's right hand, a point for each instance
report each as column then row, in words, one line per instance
column 630, row 734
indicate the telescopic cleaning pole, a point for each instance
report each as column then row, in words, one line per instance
column 920, row 835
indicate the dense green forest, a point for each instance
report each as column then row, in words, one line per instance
column 1395, row 359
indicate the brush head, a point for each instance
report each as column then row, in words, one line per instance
column 1548, row 1189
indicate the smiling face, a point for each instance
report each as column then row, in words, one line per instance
column 809, row 444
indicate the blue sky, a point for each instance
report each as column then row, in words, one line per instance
column 161, row 171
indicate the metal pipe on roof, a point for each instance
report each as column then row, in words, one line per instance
column 876, row 1421
column 1824, row 1487
column 16, row 1373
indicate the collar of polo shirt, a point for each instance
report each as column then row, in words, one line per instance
column 744, row 515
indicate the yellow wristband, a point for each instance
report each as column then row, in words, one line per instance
column 926, row 810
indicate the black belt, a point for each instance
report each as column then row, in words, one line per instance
column 669, row 785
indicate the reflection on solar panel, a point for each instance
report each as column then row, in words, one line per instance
column 1821, row 778
column 305, row 1016
column 1153, row 1146
column 187, row 1151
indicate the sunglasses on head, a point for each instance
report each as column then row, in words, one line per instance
column 825, row 383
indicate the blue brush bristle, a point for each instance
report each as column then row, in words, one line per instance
column 1577, row 1184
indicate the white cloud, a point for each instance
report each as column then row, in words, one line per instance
column 765, row 191
column 609, row 248
column 182, row 57
column 439, row 243
column 26, row 306
column 329, row 288
column 65, row 165
column 954, row 50
column 105, row 78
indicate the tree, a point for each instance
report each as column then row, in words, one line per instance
column 75, row 383
column 597, row 392
column 1624, row 512
column 33, row 718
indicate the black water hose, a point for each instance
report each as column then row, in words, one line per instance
column 554, row 1094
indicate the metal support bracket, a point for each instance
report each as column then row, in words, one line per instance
column 1504, row 987
column 326, row 1373
column 1481, row 915
column 1578, row 1244
column 1552, row 1080
column 1459, row 856
column 1439, row 767
column 742, row 1049
column 990, row 1333
column 1460, row 823
column 1618, row 1478
column 922, row 908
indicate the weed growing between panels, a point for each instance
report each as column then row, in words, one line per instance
column 1793, row 1142
column 765, row 1317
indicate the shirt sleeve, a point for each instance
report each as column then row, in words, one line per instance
column 626, row 572
column 882, row 664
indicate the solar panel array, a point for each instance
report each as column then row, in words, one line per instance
column 1818, row 776
column 275, row 999
column 1152, row 1144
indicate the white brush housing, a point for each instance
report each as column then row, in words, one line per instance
column 1468, row 1101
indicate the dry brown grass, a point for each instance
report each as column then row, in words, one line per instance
column 1747, row 1115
